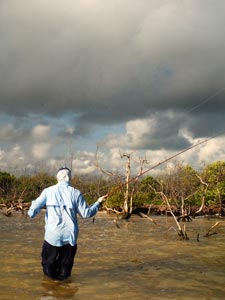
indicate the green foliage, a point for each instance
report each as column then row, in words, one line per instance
column 91, row 187
column 28, row 188
column 148, row 184
column 214, row 176
column 142, row 199
column 179, row 182
column 7, row 182
column 115, row 200
column 196, row 199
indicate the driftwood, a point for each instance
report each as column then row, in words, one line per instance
column 9, row 209
column 147, row 217
column 208, row 233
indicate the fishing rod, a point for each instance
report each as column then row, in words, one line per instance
column 204, row 101
column 162, row 162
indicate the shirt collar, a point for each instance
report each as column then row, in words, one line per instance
column 63, row 183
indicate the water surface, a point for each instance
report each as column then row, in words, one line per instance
column 139, row 260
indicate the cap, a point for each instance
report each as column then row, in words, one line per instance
column 63, row 174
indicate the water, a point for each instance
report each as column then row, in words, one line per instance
column 139, row 260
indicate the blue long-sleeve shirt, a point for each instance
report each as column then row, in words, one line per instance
column 63, row 203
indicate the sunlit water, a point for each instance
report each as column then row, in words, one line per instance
column 139, row 260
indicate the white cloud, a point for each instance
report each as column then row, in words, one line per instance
column 12, row 158
column 40, row 132
column 69, row 68
column 213, row 150
column 207, row 152
column 133, row 138
column 8, row 132
column 2, row 154
column 138, row 130
column 41, row 150
column 83, row 166
column 158, row 131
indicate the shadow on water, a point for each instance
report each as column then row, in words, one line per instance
column 138, row 261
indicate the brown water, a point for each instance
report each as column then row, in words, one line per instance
column 139, row 260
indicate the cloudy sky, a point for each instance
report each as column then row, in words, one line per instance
column 140, row 76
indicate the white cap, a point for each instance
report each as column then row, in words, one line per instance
column 64, row 174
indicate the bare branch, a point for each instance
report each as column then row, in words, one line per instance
column 211, row 228
column 99, row 167
column 204, row 194
column 147, row 217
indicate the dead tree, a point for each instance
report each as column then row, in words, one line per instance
column 205, row 184
column 181, row 233
column 127, row 211
column 130, row 191
column 126, row 184
column 185, row 212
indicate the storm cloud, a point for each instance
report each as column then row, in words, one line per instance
column 79, row 66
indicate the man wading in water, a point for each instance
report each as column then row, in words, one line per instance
column 63, row 203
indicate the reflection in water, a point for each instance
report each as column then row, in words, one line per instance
column 138, row 261
column 56, row 289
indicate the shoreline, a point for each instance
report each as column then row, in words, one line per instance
column 157, row 210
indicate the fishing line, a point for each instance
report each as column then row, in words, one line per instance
column 164, row 161
column 119, row 186
column 205, row 100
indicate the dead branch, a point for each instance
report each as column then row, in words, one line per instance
column 128, row 173
column 185, row 215
column 118, row 213
column 108, row 210
column 8, row 212
column 99, row 167
column 8, row 209
column 197, row 238
column 208, row 233
column 142, row 162
column 149, row 209
column 116, row 222
column 180, row 232
column 185, row 233
column 203, row 196
column 147, row 217
column 185, row 218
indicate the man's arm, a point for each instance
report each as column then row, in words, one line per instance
column 86, row 211
column 37, row 205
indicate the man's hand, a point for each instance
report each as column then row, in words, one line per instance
column 102, row 199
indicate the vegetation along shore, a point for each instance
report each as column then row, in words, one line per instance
column 179, row 189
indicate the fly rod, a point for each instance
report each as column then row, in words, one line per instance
column 162, row 162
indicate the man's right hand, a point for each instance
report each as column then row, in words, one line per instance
column 102, row 198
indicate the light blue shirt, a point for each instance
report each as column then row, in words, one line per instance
column 63, row 203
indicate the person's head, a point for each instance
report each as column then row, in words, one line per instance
column 63, row 174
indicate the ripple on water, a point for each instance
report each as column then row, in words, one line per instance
column 138, row 261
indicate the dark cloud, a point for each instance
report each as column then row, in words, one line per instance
column 206, row 124
column 111, row 62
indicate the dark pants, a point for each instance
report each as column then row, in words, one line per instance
column 57, row 262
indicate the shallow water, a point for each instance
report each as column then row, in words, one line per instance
column 139, row 260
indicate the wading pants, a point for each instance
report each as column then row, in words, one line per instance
column 57, row 262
